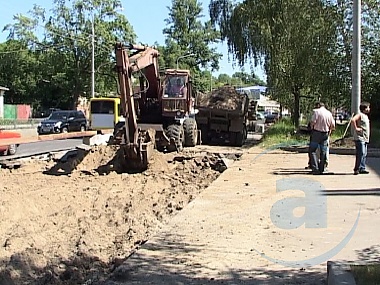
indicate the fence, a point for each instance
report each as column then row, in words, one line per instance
column 20, row 112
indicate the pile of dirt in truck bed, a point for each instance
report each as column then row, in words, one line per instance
column 225, row 97
column 73, row 221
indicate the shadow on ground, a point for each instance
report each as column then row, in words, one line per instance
column 164, row 268
column 167, row 262
column 25, row 268
column 373, row 165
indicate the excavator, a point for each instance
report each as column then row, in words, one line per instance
column 156, row 115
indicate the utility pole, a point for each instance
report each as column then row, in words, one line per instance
column 356, row 58
column 184, row 56
column 92, row 55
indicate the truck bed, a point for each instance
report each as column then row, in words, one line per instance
column 222, row 113
column 222, row 101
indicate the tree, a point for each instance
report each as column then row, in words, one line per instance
column 186, row 34
column 224, row 78
column 371, row 56
column 293, row 38
column 246, row 79
column 66, row 44
column 17, row 71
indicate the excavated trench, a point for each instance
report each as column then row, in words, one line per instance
column 74, row 220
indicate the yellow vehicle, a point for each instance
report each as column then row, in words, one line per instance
column 105, row 113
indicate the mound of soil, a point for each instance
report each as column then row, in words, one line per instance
column 225, row 98
column 73, row 221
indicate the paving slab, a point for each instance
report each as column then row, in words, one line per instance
column 265, row 220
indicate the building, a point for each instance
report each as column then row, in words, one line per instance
column 264, row 103
column 2, row 90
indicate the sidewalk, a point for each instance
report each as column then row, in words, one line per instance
column 28, row 132
column 220, row 237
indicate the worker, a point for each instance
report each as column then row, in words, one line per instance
column 177, row 88
column 322, row 124
column 361, row 125
column 318, row 151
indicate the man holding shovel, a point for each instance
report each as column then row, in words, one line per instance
column 360, row 123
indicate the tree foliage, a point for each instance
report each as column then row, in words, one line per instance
column 305, row 47
column 63, row 49
column 18, row 66
column 291, row 37
column 189, row 41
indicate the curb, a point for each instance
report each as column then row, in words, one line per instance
column 372, row 152
column 339, row 273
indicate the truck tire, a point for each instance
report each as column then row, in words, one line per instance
column 176, row 133
column 239, row 141
column 240, row 137
column 204, row 134
column 12, row 149
column 191, row 132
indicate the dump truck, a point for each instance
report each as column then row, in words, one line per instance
column 222, row 116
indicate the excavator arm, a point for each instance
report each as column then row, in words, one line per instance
column 126, row 95
column 136, row 145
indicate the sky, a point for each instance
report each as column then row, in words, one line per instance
column 147, row 18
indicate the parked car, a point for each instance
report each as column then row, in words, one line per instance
column 12, row 148
column 272, row 117
column 63, row 121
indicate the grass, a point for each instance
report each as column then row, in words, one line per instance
column 366, row 274
column 284, row 133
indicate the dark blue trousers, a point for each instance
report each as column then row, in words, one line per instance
column 321, row 140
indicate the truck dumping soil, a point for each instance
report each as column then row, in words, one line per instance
column 224, row 98
column 75, row 220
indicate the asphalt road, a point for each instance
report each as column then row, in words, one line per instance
column 42, row 147
column 36, row 148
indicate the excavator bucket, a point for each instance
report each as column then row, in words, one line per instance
column 161, row 139
column 136, row 157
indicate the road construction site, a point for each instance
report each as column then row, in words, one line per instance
column 67, row 217
column 201, row 216
column 158, row 206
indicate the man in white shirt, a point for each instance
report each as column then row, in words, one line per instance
column 322, row 124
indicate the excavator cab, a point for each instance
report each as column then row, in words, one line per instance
column 178, row 112
column 176, row 99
